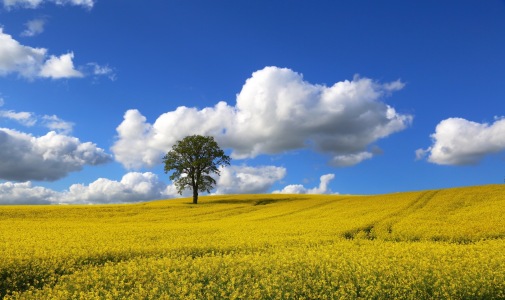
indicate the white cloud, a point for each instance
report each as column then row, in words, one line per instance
column 29, row 119
column 300, row 189
column 33, row 63
column 135, row 132
column 133, row 187
column 34, row 27
column 421, row 153
column 56, row 124
column 36, row 3
column 25, row 157
column 22, row 3
column 248, row 180
column 16, row 58
column 60, row 67
column 136, row 187
column 276, row 111
column 350, row 159
column 24, row 118
column 98, row 70
column 26, row 193
column 457, row 141
column 394, row 86
column 85, row 3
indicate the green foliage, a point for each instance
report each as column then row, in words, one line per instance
column 193, row 160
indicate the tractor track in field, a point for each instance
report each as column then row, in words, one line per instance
column 302, row 210
column 387, row 222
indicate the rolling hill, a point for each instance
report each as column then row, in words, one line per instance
column 426, row 244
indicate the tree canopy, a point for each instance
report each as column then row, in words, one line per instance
column 193, row 160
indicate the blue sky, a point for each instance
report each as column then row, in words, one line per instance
column 350, row 97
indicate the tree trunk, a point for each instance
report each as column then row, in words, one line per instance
column 194, row 185
column 195, row 196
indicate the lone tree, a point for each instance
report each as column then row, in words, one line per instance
column 193, row 159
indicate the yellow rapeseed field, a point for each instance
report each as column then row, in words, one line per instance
column 440, row 244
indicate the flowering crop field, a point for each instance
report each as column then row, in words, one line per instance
column 437, row 244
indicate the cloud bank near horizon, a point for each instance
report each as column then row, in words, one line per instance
column 137, row 187
column 276, row 111
column 133, row 187
column 459, row 142
column 324, row 181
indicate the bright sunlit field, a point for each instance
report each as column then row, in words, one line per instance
column 439, row 244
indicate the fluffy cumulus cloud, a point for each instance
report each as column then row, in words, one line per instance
column 276, row 111
column 16, row 58
column 457, row 141
column 248, row 180
column 36, row 3
column 300, row 189
column 33, row 62
column 50, row 157
column 60, row 67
